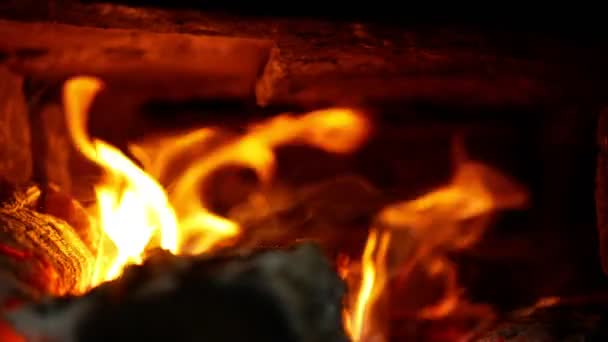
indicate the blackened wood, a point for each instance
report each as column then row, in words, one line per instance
column 290, row 295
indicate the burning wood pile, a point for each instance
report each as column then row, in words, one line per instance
column 130, row 227
column 407, row 240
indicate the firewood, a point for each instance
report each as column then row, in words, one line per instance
column 210, row 67
column 59, row 204
column 319, row 62
column 40, row 253
column 275, row 295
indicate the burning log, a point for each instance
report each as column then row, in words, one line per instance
column 291, row 295
column 40, row 254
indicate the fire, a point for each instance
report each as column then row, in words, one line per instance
column 154, row 206
column 373, row 279
column 415, row 235
column 132, row 206
column 335, row 130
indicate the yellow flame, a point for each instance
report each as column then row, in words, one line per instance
column 420, row 232
column 132, row 206
column 334, row 130
column 373, row 278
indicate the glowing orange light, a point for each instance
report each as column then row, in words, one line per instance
column 361, row 323
column 132, row 207
column 334, row 130
column 419, row 232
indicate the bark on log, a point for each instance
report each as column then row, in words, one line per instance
column 364, row 63
column 271, row 296
column 40, row 254
column 206, row 67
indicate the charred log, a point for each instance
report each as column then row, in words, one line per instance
column 39, row 253
column 275, row 295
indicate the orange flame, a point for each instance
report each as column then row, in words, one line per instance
column 132, row 206
column 334, row 130
column 374, row 277
column 417, row 233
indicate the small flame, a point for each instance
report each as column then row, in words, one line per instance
column 133, row 207
column 416, row 234
column 374, row 277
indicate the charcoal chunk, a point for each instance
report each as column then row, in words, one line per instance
column 274, row 295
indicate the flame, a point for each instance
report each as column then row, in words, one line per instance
column 334, row 130
column 373, row 280
column 138, row 209
column 415, row 234
column 132, row 207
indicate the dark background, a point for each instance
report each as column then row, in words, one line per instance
column 580, row 21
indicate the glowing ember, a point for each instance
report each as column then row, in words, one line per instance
column 133, row 208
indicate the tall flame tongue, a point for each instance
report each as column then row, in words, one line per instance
column 132, row 207
column 415, row 235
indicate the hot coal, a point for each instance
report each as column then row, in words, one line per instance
column 277, row 295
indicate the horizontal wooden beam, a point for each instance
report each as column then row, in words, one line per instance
column 175, row 65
